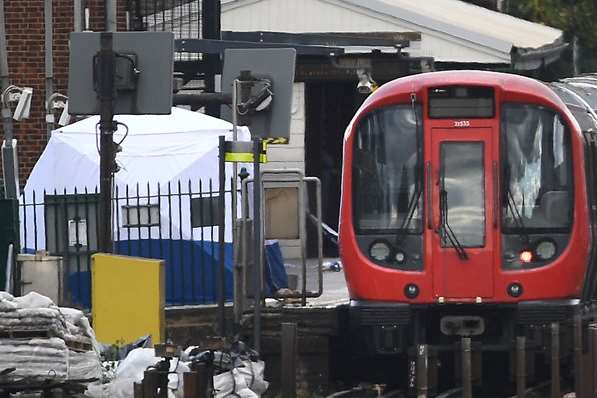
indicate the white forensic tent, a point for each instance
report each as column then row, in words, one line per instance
column 171, row 152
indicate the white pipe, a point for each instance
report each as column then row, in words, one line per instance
column 9, row 261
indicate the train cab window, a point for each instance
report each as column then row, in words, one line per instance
column 387, row 170
column 537, row 178
column 387, row 175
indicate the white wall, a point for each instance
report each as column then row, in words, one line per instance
column 291, row 155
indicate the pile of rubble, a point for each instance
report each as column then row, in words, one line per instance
column 42, row 343
column 43, row 346
column 237, row 372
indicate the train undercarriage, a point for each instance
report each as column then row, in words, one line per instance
column 432, row 348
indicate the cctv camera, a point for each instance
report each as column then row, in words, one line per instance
column 24, row 105
column 366, row 84
column 365, row 87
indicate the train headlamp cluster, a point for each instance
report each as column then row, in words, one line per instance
column 544, row 250
column 526, row 256
column 400, row 257
column 380, row 251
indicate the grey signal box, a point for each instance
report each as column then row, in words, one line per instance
column 143, row 80
column 276, row 65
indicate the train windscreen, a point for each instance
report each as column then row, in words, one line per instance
column 537, row 169
column 387, row 171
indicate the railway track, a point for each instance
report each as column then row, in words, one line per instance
column 540, row 390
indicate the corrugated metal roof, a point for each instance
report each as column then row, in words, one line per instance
column 453, row 20
column 467, row 21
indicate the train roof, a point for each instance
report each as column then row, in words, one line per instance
column 505, row 81
column 578, row 94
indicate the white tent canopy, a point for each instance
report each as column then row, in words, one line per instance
column 158, row 149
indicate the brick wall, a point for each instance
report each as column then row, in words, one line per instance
column 25, row 42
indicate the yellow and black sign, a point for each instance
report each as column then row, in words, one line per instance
column 242, row 152
column 276, row 140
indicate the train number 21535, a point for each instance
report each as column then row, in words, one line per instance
column 462, row 123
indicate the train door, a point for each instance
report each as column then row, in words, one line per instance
column 463, row 195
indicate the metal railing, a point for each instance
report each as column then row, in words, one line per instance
column 181, row 17
column 173, row 221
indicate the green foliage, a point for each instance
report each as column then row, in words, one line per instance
column 577, row 18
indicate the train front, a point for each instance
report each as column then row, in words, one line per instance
column 463, row 212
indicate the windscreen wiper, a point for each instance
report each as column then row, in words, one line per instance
column 522, row 231
column 410, row 213
column 445, row 230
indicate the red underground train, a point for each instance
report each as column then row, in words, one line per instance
column 468, row 209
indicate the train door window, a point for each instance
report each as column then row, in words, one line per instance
column 387, row 171
column 462, row 182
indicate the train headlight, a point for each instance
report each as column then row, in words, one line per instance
column 379, row 251
column 515, row 289
column 411, row 291
column 526, row 256
column 545, row 250
column 400, row 257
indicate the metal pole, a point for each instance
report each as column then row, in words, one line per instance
column 422, row 371
column 221, row 235
column 79, row 15
column 191, row 384
column 49, row 65
column 594, row 354
column 289, row 353
column 238, row 295
column 578, row 361
column 258, row 248
column 467, row 385
column 303, row 235
column 106, row 95
column 521, row 363
column 575, row 56
column 110, row 21
column 3, row 52
column 10, row 172
column 555, row 361
column 205, row 380
column 138, row 389
column 210, row 29
column 9, row 266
